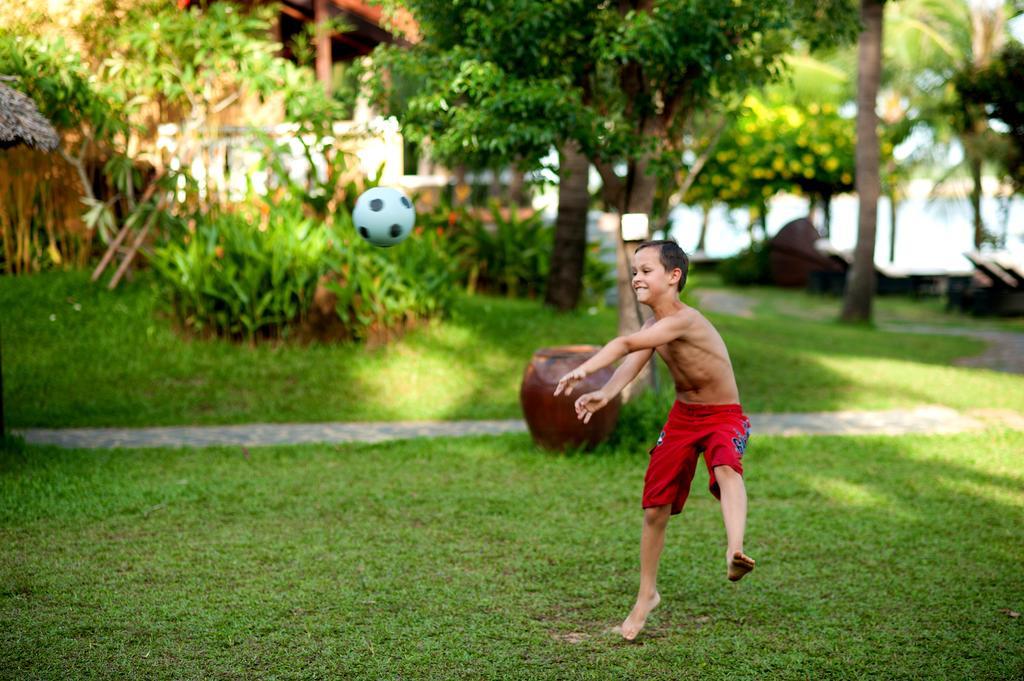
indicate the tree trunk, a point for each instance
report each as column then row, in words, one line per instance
column 860, row 286
column 893, row 205
column 462, row 191
column 517, row 187
column 495, row 190
column 565, row 279
column 705, row 218
column 826, row 220
column 974, row 161
column 638, row 197
column 323, row 44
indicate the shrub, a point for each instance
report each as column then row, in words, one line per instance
column 254, row 272
column 508, row 254
column 748, row 267
column 233, row 278
column 640, row 421
column 379, row 291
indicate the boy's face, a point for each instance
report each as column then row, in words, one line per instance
column 650, row 280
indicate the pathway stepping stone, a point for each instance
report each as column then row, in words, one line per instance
column 931, row 419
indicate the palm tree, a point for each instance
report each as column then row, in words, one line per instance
column 860, row 289
column 930, row 42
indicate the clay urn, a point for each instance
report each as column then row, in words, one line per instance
column 552, row 420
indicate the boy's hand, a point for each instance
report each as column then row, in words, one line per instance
column 587, row 404
column 568, row 382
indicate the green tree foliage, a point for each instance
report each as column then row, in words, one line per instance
column 203, row 60
column 996, row 89
column 511, row 80
column 252, row 272
column 778, row 147
column 930, row 45
column 494, row 81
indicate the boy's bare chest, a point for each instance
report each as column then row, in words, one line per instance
column 695, row 367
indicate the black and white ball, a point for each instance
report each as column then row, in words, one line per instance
column 383, row 216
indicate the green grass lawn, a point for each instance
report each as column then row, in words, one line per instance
column 484, row 558
column 75, row 354
column 771, row 301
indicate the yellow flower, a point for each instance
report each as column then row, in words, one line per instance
column 846, row 178
column 766, row 191
column 809, row 173
column 794, row 166
column 831, row 164
column 807, row 159
column 779, row 163
column 813, row 109
column 54, row 254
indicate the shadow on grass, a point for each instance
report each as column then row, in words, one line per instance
column 108, row 359
column 877, row 557
column 486, row 558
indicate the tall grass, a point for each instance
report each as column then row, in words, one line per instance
column 40, row 213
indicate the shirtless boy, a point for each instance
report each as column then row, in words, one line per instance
column 706, row 416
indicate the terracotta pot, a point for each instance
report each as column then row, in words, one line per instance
column 552, row 420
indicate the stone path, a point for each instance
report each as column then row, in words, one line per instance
column 932, row 419
column 1005, row 351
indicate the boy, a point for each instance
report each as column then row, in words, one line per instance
column 706, row 416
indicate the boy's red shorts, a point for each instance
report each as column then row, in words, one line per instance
column 720, row 431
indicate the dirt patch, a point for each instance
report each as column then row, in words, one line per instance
column 572, row 637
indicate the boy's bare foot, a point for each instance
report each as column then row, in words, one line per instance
column 632, row 625
column 739, row 565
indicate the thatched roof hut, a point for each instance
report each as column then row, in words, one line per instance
column 21, row 122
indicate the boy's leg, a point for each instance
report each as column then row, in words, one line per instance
column 652, row 541
column 734, row 513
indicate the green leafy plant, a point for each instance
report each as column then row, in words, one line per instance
column 42, row 195
column 776, row 146
column 252, row 273
column 228, row 277
column 748, row 267
column 501, row 251
column 379, row 292
column 506, row 254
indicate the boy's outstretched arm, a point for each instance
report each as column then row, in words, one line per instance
column 649, row 337
column 588, row 403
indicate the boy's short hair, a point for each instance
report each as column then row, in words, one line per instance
column 671, row 257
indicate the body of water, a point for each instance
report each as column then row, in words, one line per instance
column 930, row 234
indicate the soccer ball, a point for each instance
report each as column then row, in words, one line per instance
column 383, row 216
